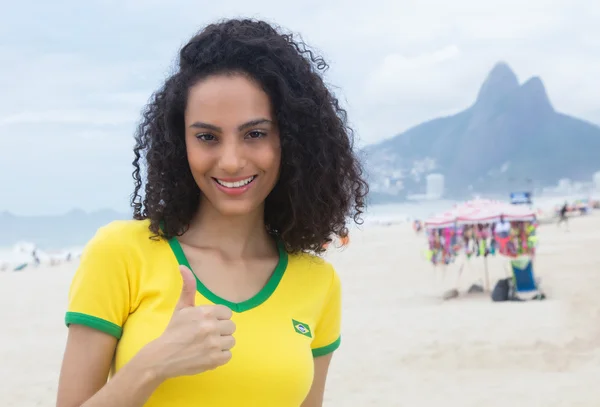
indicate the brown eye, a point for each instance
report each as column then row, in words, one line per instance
column 206, row 137
column 256, row 134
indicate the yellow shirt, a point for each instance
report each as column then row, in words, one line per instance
column 127, row 286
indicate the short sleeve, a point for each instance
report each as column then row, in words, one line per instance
column 99, row 294
column 327, row 335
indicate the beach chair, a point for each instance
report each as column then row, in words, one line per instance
column 524, row 284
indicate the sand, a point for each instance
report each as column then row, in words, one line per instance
column 402, row 345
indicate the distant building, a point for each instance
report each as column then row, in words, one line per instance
column 596, row 181
column 564, row 186
column 435, row 186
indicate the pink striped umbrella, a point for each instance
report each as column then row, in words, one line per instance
column 480, row 211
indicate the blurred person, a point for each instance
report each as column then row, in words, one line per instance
column 563, row 217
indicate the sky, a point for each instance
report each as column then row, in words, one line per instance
column 75, row 75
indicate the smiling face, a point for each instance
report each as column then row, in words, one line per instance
column 232, row 142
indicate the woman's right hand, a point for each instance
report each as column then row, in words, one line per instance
column 197, row 339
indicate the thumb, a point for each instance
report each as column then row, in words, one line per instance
column 188, row 291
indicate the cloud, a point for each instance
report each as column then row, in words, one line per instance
column 404, row 78
column 45, row 169
column 85, row 117
column 405, row 87
column 74, row 76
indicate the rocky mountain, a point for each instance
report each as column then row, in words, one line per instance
column 511, row 132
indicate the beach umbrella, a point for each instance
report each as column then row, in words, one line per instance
column 479, row 211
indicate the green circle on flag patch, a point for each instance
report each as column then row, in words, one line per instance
column 302, row 328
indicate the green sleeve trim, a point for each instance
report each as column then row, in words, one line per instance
column 325, row 350
column 93, row 322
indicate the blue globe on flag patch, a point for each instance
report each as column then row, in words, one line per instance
column 302, row 328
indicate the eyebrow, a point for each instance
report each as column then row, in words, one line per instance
column 251, row 123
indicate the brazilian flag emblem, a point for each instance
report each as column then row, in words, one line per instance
column 302, row 328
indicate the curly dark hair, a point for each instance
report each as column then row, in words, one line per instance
column 321, row 180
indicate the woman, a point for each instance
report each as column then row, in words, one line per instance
column 248, row 167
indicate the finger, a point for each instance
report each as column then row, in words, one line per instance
column 215, row 312
column 188, row 289
column 222, row 312
column 226, row 327
column 224, row 357
column 227, row 342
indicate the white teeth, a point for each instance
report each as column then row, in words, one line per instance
column 236, row 184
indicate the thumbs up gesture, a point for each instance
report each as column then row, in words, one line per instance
column 197, row 339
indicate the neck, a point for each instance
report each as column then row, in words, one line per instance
column 237, row 236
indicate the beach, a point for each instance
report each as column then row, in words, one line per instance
column 402, row 345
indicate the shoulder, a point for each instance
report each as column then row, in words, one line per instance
column 124, row 229
column 121, row 236
column 310, row 262
column 118, row 250
column 312, row 269
column 121, row 232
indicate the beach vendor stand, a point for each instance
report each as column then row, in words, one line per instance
column 475, row 214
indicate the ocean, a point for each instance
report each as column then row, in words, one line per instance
column 74, row 232
column 406, row 211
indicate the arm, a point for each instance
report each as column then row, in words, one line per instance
column 317, row 390
column 100, row 292
column 86, row 365
column 326, row 340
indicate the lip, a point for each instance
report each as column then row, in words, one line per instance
column 236, row 179
column 234, row 191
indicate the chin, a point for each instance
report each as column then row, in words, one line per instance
column 239, row 208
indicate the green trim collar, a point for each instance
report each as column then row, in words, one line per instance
column 253, row 302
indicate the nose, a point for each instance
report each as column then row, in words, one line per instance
column 232, row 159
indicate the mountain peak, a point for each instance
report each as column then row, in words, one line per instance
column 533, row 95
column 509, row 124
column 500, row 82
column 502, row 69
